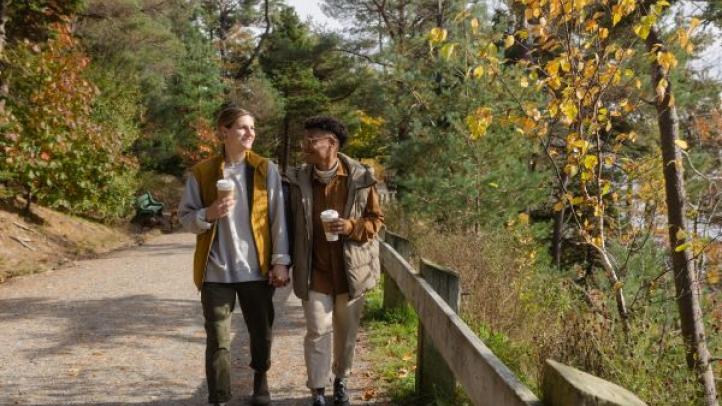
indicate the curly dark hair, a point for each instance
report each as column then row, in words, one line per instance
column 327, row 124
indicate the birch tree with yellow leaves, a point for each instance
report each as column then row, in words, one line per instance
column 588, row 59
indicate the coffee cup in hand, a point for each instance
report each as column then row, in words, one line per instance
column 327, row 218
column 225, row 188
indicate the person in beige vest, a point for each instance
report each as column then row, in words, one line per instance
column 332, row 277
column 242, row 250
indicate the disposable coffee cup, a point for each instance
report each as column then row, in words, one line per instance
column 328, row 217
column 225, row 188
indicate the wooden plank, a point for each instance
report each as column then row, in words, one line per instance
column 484, row 377
column 393, row 298
column 433, row 374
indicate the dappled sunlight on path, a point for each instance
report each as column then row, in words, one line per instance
column 127, row 329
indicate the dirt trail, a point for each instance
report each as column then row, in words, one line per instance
column 127, row 329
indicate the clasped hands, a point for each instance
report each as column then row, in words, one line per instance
column 278, row 274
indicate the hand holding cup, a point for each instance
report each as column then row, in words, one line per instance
column 224, row 202
column 333, row 225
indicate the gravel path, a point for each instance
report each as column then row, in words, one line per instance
column 127, row 329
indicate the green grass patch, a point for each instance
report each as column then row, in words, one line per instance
column 392, row 339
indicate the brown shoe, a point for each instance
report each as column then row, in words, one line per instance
column 261, row 396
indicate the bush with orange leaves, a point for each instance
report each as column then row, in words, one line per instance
column 54, row 152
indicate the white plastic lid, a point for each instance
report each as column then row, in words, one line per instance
column 329, row 215
column 224, row 184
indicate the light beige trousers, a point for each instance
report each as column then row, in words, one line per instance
column 326, row 317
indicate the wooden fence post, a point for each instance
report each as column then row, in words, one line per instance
column 432, row 372
column 393, row 298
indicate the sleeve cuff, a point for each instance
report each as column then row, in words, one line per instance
column 201, row 220
column 280, row 259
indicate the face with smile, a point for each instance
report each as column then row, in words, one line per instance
column 320, row 148
column 240, row 135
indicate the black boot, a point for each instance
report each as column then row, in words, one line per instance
column 261, row 396
column 318, row 397
column 340, row 396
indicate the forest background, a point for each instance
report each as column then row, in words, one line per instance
column 524, row 140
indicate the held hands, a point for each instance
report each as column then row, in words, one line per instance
column 278, row 276
column 342, row 227
column 220, row 208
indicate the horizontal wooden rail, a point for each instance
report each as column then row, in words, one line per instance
column 486, row 380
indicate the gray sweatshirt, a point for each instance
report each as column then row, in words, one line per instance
column 233, row 256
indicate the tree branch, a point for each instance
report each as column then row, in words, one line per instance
column 246, row 68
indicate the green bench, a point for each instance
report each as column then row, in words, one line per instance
column 146, row 206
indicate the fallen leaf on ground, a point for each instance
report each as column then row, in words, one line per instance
column 369, row 393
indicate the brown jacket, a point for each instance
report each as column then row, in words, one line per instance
column 360, row 258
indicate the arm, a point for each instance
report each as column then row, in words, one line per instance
column 277, row 213
column 196, row 218
column 367, row 227
column 191, row 212
column 280, row 258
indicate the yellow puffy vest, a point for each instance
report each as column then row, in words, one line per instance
column 206, row 174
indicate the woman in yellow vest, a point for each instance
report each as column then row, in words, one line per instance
column 241, row 248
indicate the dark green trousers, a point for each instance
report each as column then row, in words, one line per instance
column 219, row 300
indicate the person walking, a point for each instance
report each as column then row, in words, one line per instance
column 233, row 202
column 333, row 267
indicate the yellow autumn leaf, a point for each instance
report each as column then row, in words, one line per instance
column 523, row 218
column 475, row 25
column 508, row 41
column 713, row 276
column 437, row 35
column 565, row 65
column 683, row 37
column 478, row 71
column 616, row 14
column 491, row 49
column 478, row 122
column 661, row 88
column 447, row 51
column 558, row 206
column 681, row 143
column 569, row 109
column 666, row 60
column 553, row 110
column 552, row 68
column 590, row 161
column 524, row 82
column 603, row 33
column 642, row 29
column 680, row 234
column 571, row 170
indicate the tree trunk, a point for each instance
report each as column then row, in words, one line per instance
column 685, row 279
column 245, row 70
